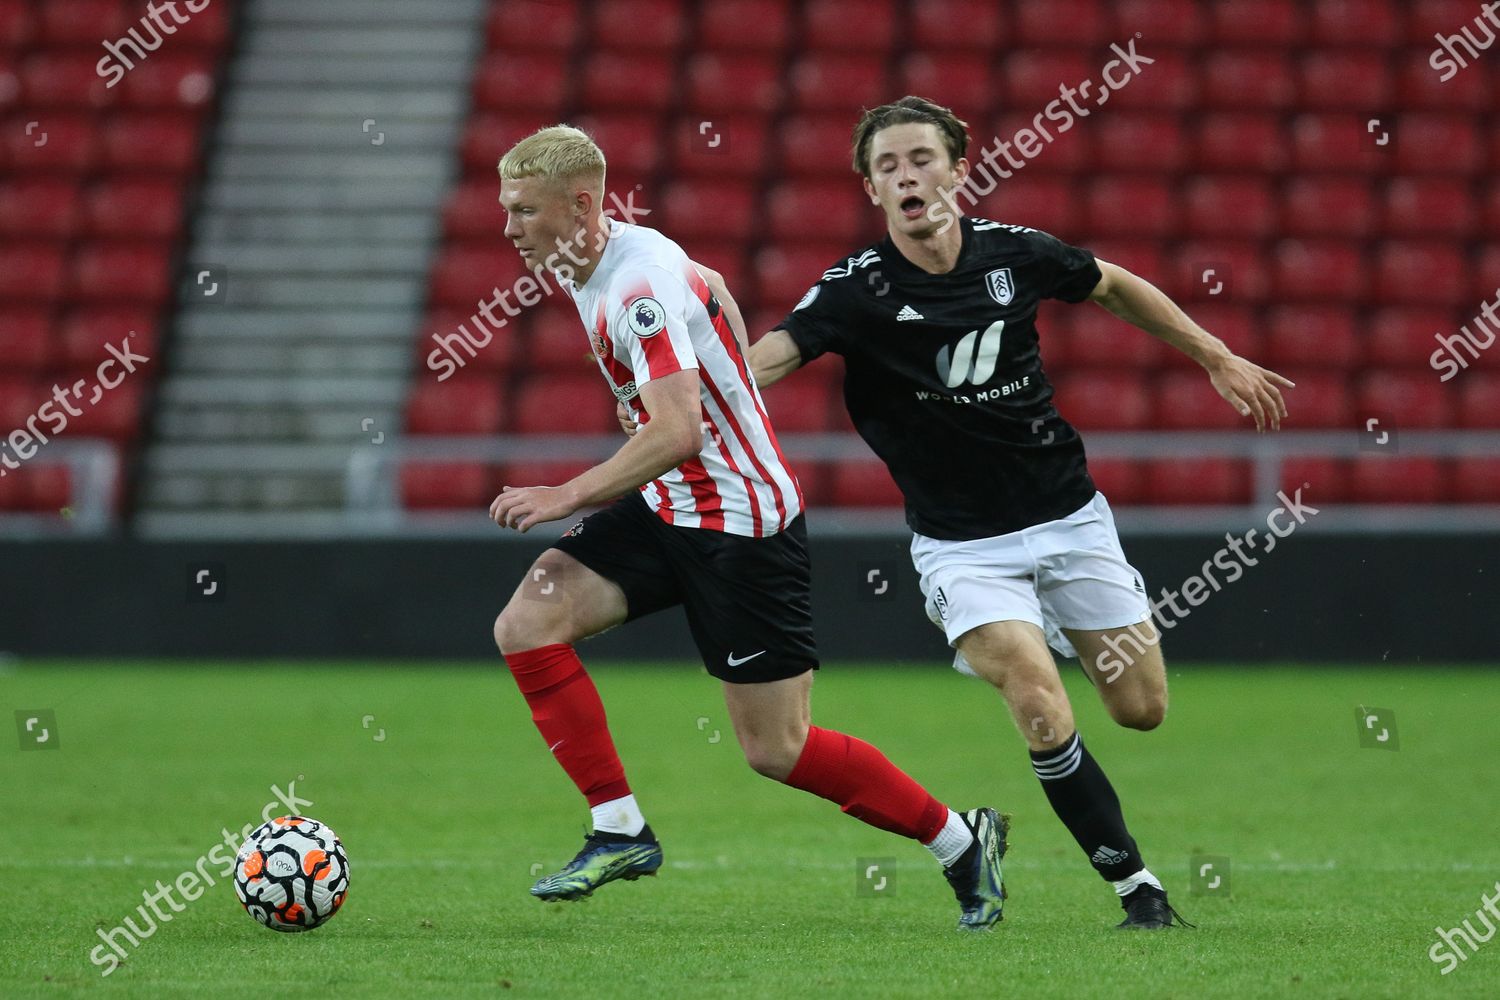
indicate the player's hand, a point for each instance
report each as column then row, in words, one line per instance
column 1252, row 390
column 520, row 507
column 626, row 424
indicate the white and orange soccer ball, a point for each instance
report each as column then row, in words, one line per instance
column 292, row 875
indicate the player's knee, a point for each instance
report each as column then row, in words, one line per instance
column 1144, row 714
column 517, row 629
column 773, row 758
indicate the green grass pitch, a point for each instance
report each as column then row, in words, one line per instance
column 1342, row 859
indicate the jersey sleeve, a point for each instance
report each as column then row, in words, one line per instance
column 1069, row 273
column 814, row 323
column 648, row 318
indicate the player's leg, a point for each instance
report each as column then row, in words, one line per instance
column 1127, row 669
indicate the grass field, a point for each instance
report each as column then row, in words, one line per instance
column 1342, row 860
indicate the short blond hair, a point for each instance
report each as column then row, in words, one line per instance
column 558, row 153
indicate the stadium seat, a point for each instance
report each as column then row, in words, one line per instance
column 1479, row 400
column 724, row 146
column 125, row 271
column 446, row 486
column 627, row 81
column 169, row 82
column 957, row 80
column 1250, row 79
column 539, row 472
column 1237, row 325
column 36, row 488
column 523, row 81
column 64, row 79
column 1073, row 23
column 1219, row 270
column 725, row 210
column 1197, row 481
column 1405, row 337
column 1120, row 480
column 1241, row 141
column 1032, row 77
column 1438, row 144
column 466, row 274
column 1486, row 269
column 1095, row 339
column 1430, row 206
column 1188, row 401
column 864, row 26
column 134, row 209
column 555, row 340
column 34, row 206
column 151, row 142
column 1132, row 206
column 1322, row 399
column 1397, row 479
column 724, row 83
column 729, row 260
column 1320, row 270
column 1162, row 22
column 817, row 145
column 1328, row 206
column 1405, row 399
column 1419, row 272
column 837, row 82
column 472, row 211
column 1313, row 335
column 85, row 330
column 497, row 355
column 1427, row 18
column 68, row 23
column 860, row 483
column 552, row 25
column 633, row 143
column 1243, row 206
column 762, row 25
column 1359, row 23
column 1344, row 80
column 1046, row 202
column 957, row 24
column 116, row 415
column 1421, row 88
column 1321, row 480
column 1476, row 480
column 565, row 404
column 1340, row 143
column 1135, row 141
column 798, row 405
column 1265, row 22
column 464, row 404
column 25, row 340
column 1170, row 83
column 837, row 209
column 1143, row 257
column 31, row 271
column 490, row 134
column 17, row 24
column 1104, row 400
column 784, row 272
column 646, row 25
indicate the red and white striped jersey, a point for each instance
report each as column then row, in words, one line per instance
column 649, row 313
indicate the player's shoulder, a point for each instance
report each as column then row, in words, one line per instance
column 648, row 259
column 852, row 266
column 989, row 232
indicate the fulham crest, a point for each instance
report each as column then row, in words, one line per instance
column 1002, row 288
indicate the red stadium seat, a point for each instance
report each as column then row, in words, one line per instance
column 1476, row 480
column 25, row 342
column 1361, row 23
column 490, row 134
column 713, row 145
column 85, row 330
column 865, row 26
column 36, row 207
column 1491, row 198
column 1427, row 18
column 863, row 484
column 446, row 486
column 627, row 81
column 553, row 25
column 1251, row 79
column 1314, row 335
column 1438, row 144
column 17, row 24
column 66, row 23
column 957, row 24
column 957, row 80
column 1267, row 22
column 1080, row 23
column 31, row 271
column 116, row 415
column 1098, row 340
column 1406, row 337
column 799, row 406
column 730, row 261
column 722, row 83
column 1322, row 480
column 1170, row 83
column 1421, row 88
column 725, row 210
column 1104, row 400
column 1220, row 271
column 1144, row 257
column 763, row 25
column 170, row 82
column 1320, row 270
column 1321, row 400
column 555, row 339
column 1237, row 325
column 135, row 209
column 1162, row 22
column 1241, row 141
column 36, row 488
column 473, row 210
column 466, row 274
column 1407, row 399
column 1198, row 481
column 1137, row 141
column 468, row 341
column 1132, row 206
column 642, row 24
column 632, row 143
column 1398, row 480
column 466, row 404
column 1188, row 401
column 1120, row 480
column 208, row 28
column 565, row 404
column 523, row 81
column 1344, row 80
column 168, row 143
column 1340, row 143
column 1479, row 400
column 1033, row 77
column 1418, row 273
column 784, row 272
column 125, row 271
column 1231, row 206
column 839, row 82
column 65, row 79
column 1430, row 206
column 63, row 144
column 540, row 472
column 1044, row 202
column 1328, row 206
column 837, row 209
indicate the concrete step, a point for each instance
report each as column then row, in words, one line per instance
column 338, row 131
column 302, row 358
column 405, row 259
column 323, row 194
column 331, row 390
column 348, row 426
column 297, row 325
column 319, row 227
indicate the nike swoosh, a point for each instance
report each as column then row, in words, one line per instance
column 557, row 744
column 745, row 659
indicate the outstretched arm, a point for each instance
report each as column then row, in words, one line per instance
column 1249, row 388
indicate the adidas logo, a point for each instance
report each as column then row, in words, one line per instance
column 906, row 313
column 1108, row 856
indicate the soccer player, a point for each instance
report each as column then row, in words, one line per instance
column 711, row 520
column 1016, row 548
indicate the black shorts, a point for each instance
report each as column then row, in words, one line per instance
column 748, row 600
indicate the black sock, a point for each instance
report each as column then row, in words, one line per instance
column 1085, row 801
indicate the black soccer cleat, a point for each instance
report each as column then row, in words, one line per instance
column 604, row 858
column 975, row 876
column 1147, row 909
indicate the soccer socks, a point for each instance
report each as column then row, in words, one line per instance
column 866, row 785
column 951, row 841
column 1085, row 801
column 567, row 711
column 620, row 815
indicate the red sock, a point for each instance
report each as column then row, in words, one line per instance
column 567, row 711
column 866, row 785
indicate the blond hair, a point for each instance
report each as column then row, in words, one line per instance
column 558, row 153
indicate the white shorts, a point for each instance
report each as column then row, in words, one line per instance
column 1068, row 573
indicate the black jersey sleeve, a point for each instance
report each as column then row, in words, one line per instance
column 814, row 322
column 1070, row 273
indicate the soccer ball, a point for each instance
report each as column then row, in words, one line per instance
column 292, row 875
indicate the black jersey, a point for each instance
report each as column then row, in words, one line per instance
column 943, row 377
